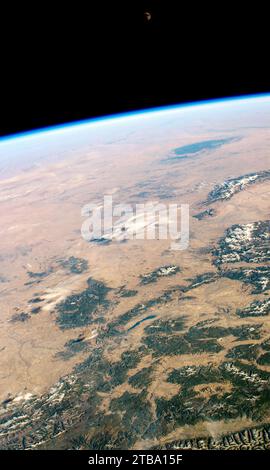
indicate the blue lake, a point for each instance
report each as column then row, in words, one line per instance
column 139, row 322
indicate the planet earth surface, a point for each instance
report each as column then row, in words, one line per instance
column 126, row 343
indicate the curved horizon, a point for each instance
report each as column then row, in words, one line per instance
column 121, row 115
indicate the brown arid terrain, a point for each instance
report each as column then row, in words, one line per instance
column 130, row 344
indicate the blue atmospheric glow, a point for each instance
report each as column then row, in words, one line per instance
column 138, row 113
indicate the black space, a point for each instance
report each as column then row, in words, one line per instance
column 78, row 61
